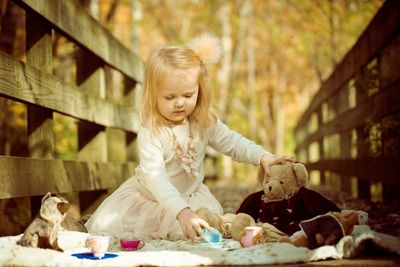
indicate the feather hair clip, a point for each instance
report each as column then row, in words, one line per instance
column 207, row 47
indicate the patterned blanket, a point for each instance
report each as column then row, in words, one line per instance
column 184, row 253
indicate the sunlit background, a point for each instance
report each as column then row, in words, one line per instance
column 275, row 55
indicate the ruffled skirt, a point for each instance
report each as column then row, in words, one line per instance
column 127, row 212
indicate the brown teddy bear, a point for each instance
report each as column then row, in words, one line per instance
column 287, row 211
column 43, row 230
column 285, row 201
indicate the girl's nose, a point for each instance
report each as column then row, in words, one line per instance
column 179, row 102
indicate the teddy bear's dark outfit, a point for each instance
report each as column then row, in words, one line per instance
column 286, row 214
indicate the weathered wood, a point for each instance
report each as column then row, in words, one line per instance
column 381, row 104
column 27, row 84
column 92, row 142
column 39, row 55
column 79, row 26
column 40, row 120
column 389, row 63
column 116, row 145
column 88, row 68
column 29, row 177
column 380, row 31
column 364, row 168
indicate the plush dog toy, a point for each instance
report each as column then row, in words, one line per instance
column 285, row 201
column 43, row 230
column 326, row 229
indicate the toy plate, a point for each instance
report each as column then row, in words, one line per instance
column 90, row 256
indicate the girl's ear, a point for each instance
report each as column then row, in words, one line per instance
column 260, row 175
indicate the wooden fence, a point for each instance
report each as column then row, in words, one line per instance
column 350, row 134
column 105, row 126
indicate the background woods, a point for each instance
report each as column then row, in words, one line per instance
column 276, row 55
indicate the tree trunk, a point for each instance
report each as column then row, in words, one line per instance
column 224, row 73
column 251, row 78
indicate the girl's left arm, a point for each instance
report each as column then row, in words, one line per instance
column 232, row 144
column 241, row 149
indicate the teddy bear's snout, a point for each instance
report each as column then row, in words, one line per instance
column 270, row 188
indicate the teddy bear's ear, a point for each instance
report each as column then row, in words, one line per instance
column 301, row 174
column 260, row 175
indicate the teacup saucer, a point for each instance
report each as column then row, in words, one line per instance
column 90, row 256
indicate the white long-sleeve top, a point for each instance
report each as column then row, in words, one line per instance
column 160, row 175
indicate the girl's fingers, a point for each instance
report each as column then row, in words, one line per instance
column 267, row 171
column 199, row 232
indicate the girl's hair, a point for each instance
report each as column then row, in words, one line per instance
column 162, row 62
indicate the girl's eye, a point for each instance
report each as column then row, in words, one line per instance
column 188, row 96
column 169, row 97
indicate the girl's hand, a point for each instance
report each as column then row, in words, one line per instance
column 268, row 160
column 192, row 224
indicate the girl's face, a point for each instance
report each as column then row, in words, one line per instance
column 177, row 95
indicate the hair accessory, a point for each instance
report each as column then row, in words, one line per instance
column 207, row 47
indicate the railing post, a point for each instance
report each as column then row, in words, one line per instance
column 345, row 140
column 40, row 120
column 363, row 185
column 321, row 145
column 92, row 139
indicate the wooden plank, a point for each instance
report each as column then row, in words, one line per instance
column 22, row 177
column 374, row 107
column 378, row 169
column 79, row 26
column 27, row 84
column 380, row 31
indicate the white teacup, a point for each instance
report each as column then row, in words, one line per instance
column 98, row 245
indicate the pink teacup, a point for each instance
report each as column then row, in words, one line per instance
column 131, row 244
column 98, row 245
column 251, row 236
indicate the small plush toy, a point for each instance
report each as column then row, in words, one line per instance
column 229, row 224
column 326, row 229
column 43, row 230
column 285, row 201
column 234, row 226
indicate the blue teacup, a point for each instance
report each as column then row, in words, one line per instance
column 213, row 236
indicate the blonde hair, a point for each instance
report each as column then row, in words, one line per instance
column 160, row 63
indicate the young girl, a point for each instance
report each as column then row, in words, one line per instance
column 177, row 125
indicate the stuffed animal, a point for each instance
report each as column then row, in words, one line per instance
column 43, row 230
column 326, row 229
column 230, row 225
column 285, row 201
column 234, row 226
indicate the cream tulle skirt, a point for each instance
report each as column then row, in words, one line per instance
column 127, row 212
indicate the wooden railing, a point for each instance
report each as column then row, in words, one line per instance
column 350, row 134
column 104, row 125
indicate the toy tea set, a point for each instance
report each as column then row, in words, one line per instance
column 99, row 245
